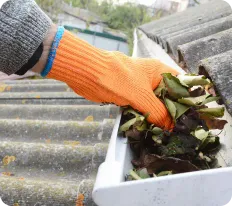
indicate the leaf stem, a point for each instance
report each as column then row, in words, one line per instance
column 134, row 175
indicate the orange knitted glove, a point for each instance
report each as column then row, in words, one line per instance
column 111, row 77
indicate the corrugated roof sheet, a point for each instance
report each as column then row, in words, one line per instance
column 200, row 37
column 52, row 142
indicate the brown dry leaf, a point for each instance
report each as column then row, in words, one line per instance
column 155, row 163
column 8, row 159
column 21, row 178
column 37, row 97
column 214, row 123
column 89, row 119
column 7, row 174
column 2, row 87
column 80, row 200
column 16, row 204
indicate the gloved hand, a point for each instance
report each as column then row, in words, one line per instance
column 111, row 77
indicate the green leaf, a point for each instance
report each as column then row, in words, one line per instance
column 180, row 109
column 180, row 144
column 175, row 109
column 201, row 134
column 139, row 174
column 143, row 173
column 156, row 131
column 174, row 147
column 164, row 173
column 126, row 126
column 159, row 89
column 210, row 143
column 171, row 107
column 193, row 101
column 142, row 126
column 131, row 111
column 193, row 80
column 212, row 112
column 157, row 139
column 134, row 175
column 175, row 89
column 210, row 99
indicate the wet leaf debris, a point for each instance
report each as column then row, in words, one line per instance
column 190, row 145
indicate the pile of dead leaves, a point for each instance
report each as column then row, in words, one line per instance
column 190, row 146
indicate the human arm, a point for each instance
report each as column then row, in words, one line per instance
column 97, row 75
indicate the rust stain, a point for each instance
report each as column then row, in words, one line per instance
column 89, row 119
column 80, row 200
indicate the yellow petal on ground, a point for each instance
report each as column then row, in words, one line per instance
column 37, row 97
column 7, row 174
column 12, row 158
column 8, row 159
column 3, row 87
column 89, row 119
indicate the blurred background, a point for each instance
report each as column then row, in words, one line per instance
column 107, row 24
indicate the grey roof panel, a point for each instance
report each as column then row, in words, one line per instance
column 191, row 53
column 185, row 36
column 39, row 95
column 57, row 112
column 196, row 15
column 192, row 22
column 57, row 140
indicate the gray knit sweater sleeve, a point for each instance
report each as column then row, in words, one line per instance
column 23, row 26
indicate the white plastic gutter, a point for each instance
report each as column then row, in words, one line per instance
column 202, row 188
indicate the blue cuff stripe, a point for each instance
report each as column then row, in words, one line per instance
column 52, row 54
